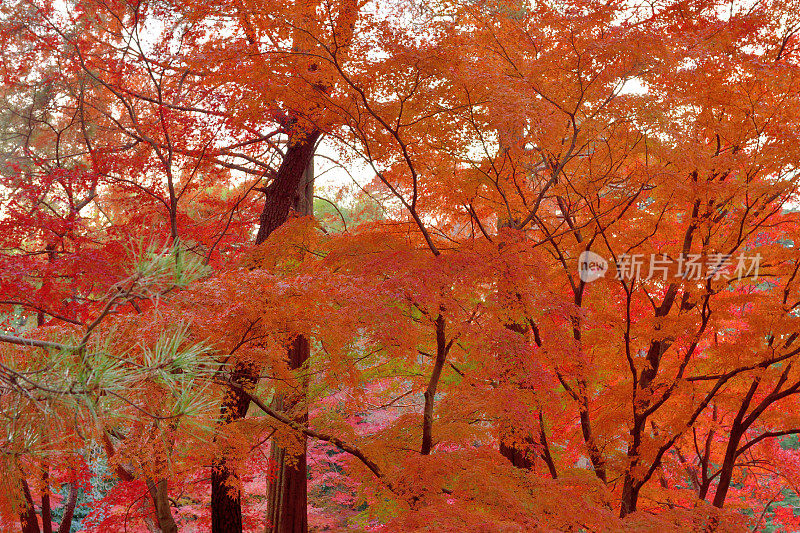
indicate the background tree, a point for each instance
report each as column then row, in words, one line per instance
column 441, row 346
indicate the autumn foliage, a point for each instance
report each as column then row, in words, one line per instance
column 196, row 339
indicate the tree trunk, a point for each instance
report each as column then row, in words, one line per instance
column 598, row 463
column 632, row 485
column 442, row 347
column 159, row 493
column 286, row 485
column 726, row 472
column 226, row 509
column 521, row 455
column 630, row 495
column 162, row 513
column 47, row 513
column 518, row 454
column 290, row 192
column 69, row 509
column 738, row 429
column 27, row 517
column 546, row 456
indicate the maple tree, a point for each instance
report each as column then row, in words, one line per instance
column 177, row 319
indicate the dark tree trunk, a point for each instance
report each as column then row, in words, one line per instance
column 632, row 485
column 291, row 192
column 520, row 455
column 47, row 514
column 162, row 514
column 738, row 428
column 226, row 509
column 69, row 509
column 726, row 472
column 27, row 516
column 598, row 463
column 286, row 485
column 630, row 495
column 546, row 456
column 705, row 479
column 159, row 493
column 442, row 347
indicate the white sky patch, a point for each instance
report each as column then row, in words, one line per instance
column 331, row 171
column 634, row 86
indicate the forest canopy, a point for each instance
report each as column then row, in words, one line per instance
column 552, row 285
